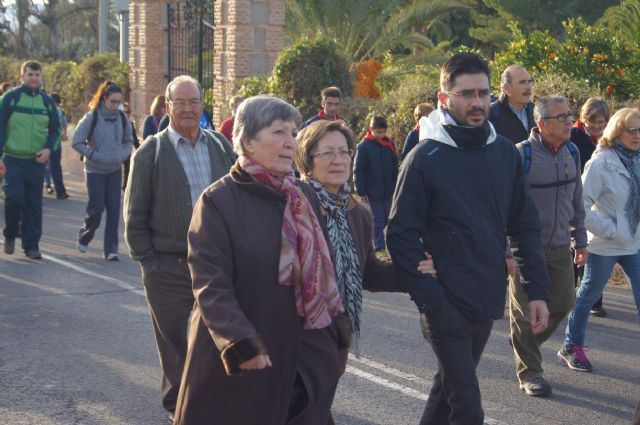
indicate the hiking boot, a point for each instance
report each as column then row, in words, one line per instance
column 575, row 358
column 537, row 387
column 9, row 247
column 598, row 312
column 34, row 254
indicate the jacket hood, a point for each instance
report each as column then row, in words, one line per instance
column 433, row 127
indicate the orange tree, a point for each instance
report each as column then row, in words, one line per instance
column 591, row 54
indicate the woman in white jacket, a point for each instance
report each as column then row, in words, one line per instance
column 611, row 196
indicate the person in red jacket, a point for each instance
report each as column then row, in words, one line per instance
column 226, row 128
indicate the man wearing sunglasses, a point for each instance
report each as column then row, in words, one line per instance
column 552, row 165
column 512, row 113
column 459, row 194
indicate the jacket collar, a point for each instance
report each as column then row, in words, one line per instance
column 434, row 127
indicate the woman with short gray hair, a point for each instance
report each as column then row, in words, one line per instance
column 264, row 338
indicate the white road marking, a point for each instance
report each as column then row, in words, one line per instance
column 80, row 269
column 387, row 369
column 386, row 383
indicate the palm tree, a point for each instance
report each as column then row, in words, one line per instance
column 367, row 29
column 624, row 19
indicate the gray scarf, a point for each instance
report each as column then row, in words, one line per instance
column 631, row 161
column 346, row 258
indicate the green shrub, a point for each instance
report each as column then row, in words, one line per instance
column 589, row 54
column 9, row 71
column 253, row 86
column 305, row 68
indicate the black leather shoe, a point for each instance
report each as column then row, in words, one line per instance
column 34, row 254
column 62, row 196
column 9, row 247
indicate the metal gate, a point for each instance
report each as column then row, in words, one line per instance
column 190, row 40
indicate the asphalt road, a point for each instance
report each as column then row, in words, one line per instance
column 76, row 347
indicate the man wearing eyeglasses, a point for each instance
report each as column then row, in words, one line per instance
column 168, row 173
column 552, row 165
column 512, row 114
column 459, row 194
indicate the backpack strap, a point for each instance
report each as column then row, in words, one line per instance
column 526, row 153
column 574, row 154
column 94, row 122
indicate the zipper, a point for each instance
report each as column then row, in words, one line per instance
column 555, row 216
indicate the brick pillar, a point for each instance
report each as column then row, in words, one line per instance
column 248, row 38
column 147, row 55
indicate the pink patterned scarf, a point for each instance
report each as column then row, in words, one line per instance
column 305, row 262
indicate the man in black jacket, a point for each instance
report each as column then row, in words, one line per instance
column 459, row 194
column 512, row 114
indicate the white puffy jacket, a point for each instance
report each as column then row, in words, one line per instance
column 605, row 189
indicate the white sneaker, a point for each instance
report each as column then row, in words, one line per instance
column 81, row 248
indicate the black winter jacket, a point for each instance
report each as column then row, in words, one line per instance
column 458, row 201
column 507, row 124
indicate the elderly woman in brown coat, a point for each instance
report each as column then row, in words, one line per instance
column 263, row 342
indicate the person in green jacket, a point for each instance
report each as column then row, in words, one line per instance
column 29, row 132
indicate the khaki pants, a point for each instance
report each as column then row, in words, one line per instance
column 526, row 346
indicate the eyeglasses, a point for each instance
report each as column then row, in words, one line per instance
column 115, row 102
column 560, row 117
column 634, row 131
column 471, row 93
column 181, row 103
column 330, row 155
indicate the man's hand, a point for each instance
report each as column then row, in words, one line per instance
column 364, row 198
column 3, row 169
column 257, row 363
column 581, row 256
column 538, row 316
column 511, row 266
column 43, row 155
column 427, row 266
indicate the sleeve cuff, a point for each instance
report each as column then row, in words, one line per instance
column 239, row 352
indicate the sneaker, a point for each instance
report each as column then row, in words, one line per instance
column 49, row 189
column 9, row 247
column 81, row 248
column 598, row 312
column 112, row 257
column 575, row 358
column 62, row 195
column 34, row 254
column 537, row 387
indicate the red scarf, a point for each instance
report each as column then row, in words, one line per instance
column 322, row 116
column 383, row 141
column 305, row 261
column 580, row 126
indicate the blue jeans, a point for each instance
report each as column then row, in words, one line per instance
column 23, row 201
column 596, row 275
column 380, row 211
column 104, row 192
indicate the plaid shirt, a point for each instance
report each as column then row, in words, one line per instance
column 195, row 162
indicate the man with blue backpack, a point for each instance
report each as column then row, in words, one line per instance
column 552, row 164
column 29, row 132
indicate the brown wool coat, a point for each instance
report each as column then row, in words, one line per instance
column 241, row 310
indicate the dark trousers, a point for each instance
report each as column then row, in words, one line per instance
column 104, row 193
column 167, row 285
column 23, row 201
column 54, row 172
column 458, row 344
column 380, row 211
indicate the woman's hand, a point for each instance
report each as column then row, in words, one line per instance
column 257, row 363
column 427, row 266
